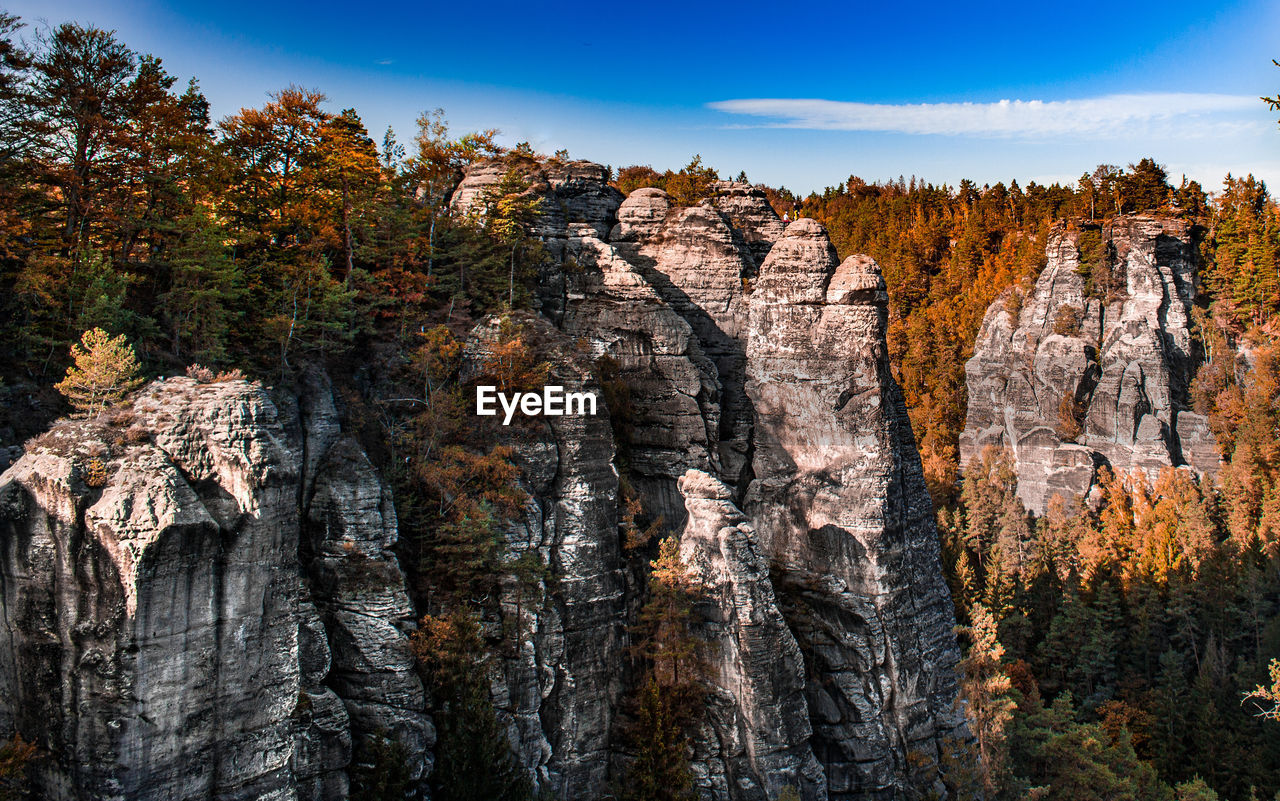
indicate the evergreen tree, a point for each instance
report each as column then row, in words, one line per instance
column 473, row 759
column 985, row 691
column 105, row 371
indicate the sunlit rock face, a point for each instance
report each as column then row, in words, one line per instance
column 652, row 354
column 162, row 638
column 764, row 428
column 1119, row 363
column 840, row 508
column 756, row 738
column 700, row 261
column 221, row 614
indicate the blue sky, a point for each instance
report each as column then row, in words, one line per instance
column 801, row 94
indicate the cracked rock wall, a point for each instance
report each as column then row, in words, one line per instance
column 766, row 429
column 1127, row 365
column 160, row 637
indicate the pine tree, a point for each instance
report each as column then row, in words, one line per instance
column 15, row 756
column 669, row 697
column 205, row 293
column 349, row 164
column 473, row 755
column 985, row 690
column 105, row 370
column 510, row 210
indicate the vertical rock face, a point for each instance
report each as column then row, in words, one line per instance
column 840, row 506
column 700, row 260
column 748, row 211
column 1083, row 378
column 156, row 640
column 355, row 582
column 755, row 380
column 756, row 739
column 671, row 389
column 561, row 683
column 221, row 615
column 151, row 615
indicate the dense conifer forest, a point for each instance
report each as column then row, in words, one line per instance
column 1109, row 646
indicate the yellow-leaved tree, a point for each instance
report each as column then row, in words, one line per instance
column 105, row 370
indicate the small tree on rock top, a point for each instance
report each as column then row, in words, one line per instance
column 105, row 370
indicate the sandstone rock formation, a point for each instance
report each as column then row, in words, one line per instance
column 1082, row 376
column 755, row 380
column 700, row 262
column 571, row 194
column 560, row 689
column 157, row 640
column 571, row 191
column 672, row 396
column 355, row 581
column 757, row 733
column 225, row 618
column 840, row 507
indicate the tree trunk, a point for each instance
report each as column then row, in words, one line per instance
column 431, row 245
column 346, row 230
column 511, row 280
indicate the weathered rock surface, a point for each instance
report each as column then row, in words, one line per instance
column 571, row 194
column 756, row 738
column 156, row 640
column 700, row 259
column 1126, row 366
column 841, row 511
column 672, row 396
column 747, row 209
column 748, row 374
column 221, row 616
column 560, row 684
column 349, row 530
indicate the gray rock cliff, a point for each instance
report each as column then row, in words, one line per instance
column 221, row 614
column 840, row 508
column 161, row 639
column 560, row 685
column 1079, row 378
column 764, row 421
column 757, row 734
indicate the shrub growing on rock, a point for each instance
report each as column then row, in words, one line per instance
column 1066, row 321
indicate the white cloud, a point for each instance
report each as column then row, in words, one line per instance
column 1178, row 114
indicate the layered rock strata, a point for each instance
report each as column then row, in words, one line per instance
column 700, row 260
column 220, row 615
column 157, row 641
column 1093, row 365
column 756, row 738
column 667, row 391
